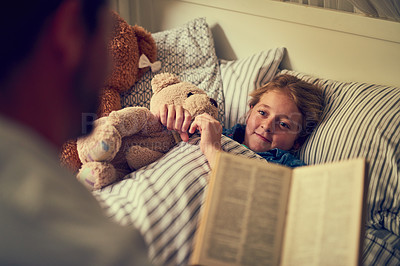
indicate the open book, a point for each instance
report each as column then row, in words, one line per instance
column 259, row 213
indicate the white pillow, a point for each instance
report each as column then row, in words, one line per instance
column 240, row 77
column 187, row 51
column 363, row 120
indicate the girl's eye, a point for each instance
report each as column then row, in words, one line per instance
column 261, row 112
column 283, row 124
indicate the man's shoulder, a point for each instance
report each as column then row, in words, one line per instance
column 45, row 206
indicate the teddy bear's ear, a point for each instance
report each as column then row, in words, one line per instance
column 160, row 81
column 146, row 45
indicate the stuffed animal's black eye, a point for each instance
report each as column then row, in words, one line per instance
column 189, row 94
column 213, row 102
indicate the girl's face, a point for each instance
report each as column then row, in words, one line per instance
column 274, row 122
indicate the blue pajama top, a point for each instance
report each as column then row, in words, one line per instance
column 275, row 155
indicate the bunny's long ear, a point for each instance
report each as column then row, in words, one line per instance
column 160, row 81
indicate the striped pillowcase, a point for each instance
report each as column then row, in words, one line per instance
column 240, row 77
column 363, row 120
column 163, row 199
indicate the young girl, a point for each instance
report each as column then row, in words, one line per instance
column 282, row 114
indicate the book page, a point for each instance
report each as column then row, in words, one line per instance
column 325, row 214
column 246, row 215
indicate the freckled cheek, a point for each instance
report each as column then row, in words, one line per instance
column 284, row 141
column 253, row 122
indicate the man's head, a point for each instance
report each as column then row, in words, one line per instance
column 22, row 22
column 54, row 60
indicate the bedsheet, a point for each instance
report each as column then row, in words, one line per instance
column 163, row 200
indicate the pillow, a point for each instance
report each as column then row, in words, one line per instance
column 187, row 51
column 163, row 199
column 240, row 77
column 363, row 120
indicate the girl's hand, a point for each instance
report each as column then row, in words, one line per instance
column 174, row 117
column 211, row 131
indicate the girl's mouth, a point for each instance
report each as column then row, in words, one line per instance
column 263, row 138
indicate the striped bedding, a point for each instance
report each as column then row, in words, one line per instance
column 163, row 200
column 363, row 120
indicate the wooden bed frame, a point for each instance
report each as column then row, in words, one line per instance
column 320, row 42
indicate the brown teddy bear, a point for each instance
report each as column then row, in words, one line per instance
column 133, row 137
column 130, row 48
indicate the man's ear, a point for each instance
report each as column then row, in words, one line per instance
column 68, row 33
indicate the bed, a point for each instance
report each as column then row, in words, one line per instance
column 361, row 119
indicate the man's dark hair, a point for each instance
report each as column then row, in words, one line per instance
column 22, row 21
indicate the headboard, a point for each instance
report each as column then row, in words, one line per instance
column 320, row 42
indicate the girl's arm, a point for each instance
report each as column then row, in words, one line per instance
column 211, row 131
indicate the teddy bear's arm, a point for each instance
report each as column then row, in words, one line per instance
column 110, row 100
column 69, row 156
column 130, row 120
column 138, row 156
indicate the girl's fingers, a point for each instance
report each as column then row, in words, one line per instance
column 178, row 119
column 193, row 127
column 197, row 124
column 184, row 136
column 186, row 122
column 179, row 116
column 162, row 114
column 182, row 119
column 175, row 117
column 171, row 117
column 183, row 129
column 206, row 122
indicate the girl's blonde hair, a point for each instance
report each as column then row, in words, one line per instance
column 307, row 97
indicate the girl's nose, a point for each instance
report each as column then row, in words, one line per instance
column 268, row 125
